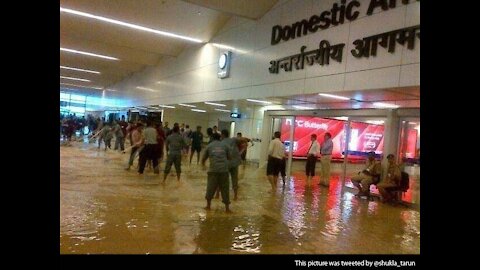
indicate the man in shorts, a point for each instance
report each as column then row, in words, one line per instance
column 276, row 154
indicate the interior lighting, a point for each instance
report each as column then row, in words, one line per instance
column 89, row 54
column 74, row 79
column 334, row 96
column 79, row 69
column 215, row 104
column 129, row 25
column 187, row 105
column 259, row 101
column 197, row 110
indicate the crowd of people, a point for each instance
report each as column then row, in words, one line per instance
column 152, row 141
column 147, row 140
column 370, row 175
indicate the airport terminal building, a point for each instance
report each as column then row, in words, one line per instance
column 349, row 68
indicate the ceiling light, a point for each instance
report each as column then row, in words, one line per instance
column 259, row 101
column 375, row 122
column 89, row 54
column 215, row 104
column 412, row 123
column 334, row 96
column 92, row 87
column 79, row 69
column 129, row 25
column 272, row 108
column 302, row 107
column 221, row 110
column 197, row 110
column 385, row 105
column 75, row 79
column 187, row 105
column 147, row 89
column 343, row 118
column 113, row 90
column 166, row 106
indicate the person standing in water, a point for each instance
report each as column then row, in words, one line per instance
column 174, row 145
column 219, row 154
column 326, row 149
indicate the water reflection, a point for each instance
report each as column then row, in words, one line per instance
column 81, row 222
column 104, row 209
column 333, row 211
column 216, row 234
column 294, row 209
column 248, row 240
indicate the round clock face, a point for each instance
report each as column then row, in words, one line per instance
column 222, row 62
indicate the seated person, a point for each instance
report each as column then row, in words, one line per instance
column 368, row 176
column 391, row 180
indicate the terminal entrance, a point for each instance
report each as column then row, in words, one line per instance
column 355, row 133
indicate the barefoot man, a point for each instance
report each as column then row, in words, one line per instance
column 219, row 154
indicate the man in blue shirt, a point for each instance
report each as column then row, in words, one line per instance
column 326, row 149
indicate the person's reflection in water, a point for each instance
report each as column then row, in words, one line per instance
column 216, row 235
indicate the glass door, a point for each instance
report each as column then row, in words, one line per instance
column 409, row 156
column 285, row 125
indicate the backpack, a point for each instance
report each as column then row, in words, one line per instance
column 404, row 182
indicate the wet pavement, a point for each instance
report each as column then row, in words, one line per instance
column 107, row 210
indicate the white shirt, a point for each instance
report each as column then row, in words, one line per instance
column 276, row 149
column 314, row 148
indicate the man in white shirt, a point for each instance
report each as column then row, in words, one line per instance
column 276, row 153
column 312, row 154
column 326, row 156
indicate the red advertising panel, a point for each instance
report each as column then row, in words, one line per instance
column 409, row 150
column 364, row 137
column 411, row 144
column 306, row 126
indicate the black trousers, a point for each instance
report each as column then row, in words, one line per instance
column 310, row 165
column 148, row 152
column 283, row 167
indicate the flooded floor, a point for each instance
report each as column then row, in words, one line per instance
column 107, row 210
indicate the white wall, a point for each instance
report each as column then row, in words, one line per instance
column 193, row 119
column 191, row 77
column 250, row 124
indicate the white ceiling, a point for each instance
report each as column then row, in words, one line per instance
column 137, row 50
column 405, row 97
column 252, row 9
